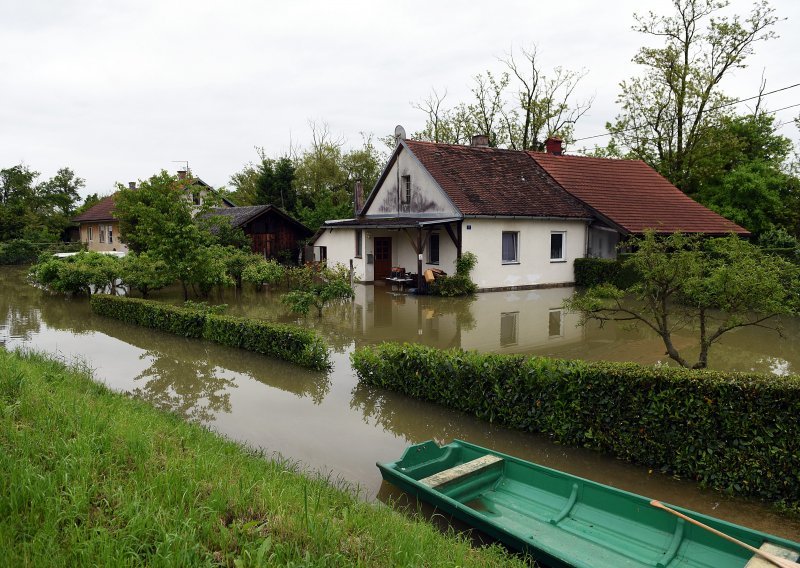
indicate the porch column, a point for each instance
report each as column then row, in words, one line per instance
column 420, row 248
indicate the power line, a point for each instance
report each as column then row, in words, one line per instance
column 731, row 103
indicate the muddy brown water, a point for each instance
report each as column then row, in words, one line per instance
column 330, row 423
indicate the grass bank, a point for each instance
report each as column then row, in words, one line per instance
column 92, row 477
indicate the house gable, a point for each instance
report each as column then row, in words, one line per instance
column 424, row 198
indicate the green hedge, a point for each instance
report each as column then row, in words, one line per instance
column 594, row 271
column 730, row 431
column 291, row 343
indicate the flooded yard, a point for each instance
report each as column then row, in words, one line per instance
column 330, row 423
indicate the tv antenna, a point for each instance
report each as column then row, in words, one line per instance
column 184, row 162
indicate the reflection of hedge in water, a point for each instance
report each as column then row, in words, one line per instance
column 290, row 343
column 733, row 432
column 187, row 363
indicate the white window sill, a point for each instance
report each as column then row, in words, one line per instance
column 556, row 260
column 511, row 262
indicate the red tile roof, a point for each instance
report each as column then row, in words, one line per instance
column 102, row 211
column 633, row 195
column 491, row 181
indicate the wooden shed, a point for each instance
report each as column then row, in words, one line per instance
column 271, row 229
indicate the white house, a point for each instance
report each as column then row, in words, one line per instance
column 526, row 215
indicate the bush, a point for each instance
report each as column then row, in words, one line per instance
column 18, row 251
column 84, row 273
column 460, row 284
column 287, row 342
column 595, row 271
column 187, row 322
column 729, row 431
column 263, row 273
column 291, row 343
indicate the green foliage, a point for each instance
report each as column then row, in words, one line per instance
column 460, row 284
column 223, row 232
column 669, row 112
column 187, row 322
column 91, row 477
column 145, row 273
column 319, row 287
column 288, row 342
column 81, row 274
column 38, row 212
column 727, row 431
column 237, row 261
column 263, row 273
column 18, row 251
column 198, row 320
column 594, row 271
column 716, row 284
column 778, row 238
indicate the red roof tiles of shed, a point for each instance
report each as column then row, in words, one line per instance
column 102, row 211
column 490, row 181
column 633, row 195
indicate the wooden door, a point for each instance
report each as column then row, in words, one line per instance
column 383, row 257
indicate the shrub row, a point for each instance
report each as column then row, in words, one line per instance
column 22, row 251
column 288, row 342
column 594, row 271
column 730, row 431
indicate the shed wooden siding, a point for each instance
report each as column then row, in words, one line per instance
column 272, row 234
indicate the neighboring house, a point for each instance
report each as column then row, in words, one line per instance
column 274, row 233
column 99, row 229
column 526, row 215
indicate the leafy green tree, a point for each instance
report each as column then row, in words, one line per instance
column 325, row 286
column 61, row 191
column 237, row 261
column 715, row 286
column 158, row 219
column 264, row 273
column 745, row 177
column 669, row 111
column 144, row 273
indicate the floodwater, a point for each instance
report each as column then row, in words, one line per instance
column 331, row 424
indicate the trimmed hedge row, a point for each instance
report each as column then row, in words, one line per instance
column 734, row 432
column 594, row 271
column 291, row 343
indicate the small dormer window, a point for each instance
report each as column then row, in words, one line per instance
column 405, row 189
column 196, row 199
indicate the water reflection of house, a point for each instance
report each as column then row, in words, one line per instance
column 526, row 215
column 513, row 322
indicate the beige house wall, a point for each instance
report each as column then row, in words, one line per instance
column 91, row 232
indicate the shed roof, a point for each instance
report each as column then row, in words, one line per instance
column 240, row 216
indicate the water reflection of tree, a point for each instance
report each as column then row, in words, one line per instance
column 195, row 389
column 415, row 420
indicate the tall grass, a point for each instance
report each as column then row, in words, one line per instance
column 91, row 477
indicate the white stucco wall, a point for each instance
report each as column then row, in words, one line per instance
column 484, row 238
column 427, row 199
column 341, row 245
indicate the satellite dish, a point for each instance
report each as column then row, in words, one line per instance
column 399, row 133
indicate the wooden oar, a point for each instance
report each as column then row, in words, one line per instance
column 776, row 560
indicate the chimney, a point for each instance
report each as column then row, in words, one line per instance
column 181, row 174
column 131, row 185
column 554, row 146
column 480, row 141
column 358, row 197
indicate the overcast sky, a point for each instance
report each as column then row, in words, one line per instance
column 118, row 90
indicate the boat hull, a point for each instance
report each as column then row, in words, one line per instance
column 561, row 519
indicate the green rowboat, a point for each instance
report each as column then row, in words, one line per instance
column 564, row 520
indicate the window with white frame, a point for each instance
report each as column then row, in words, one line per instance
column 89, row 235
column 510, row 252
column 433, row 249
column 359, row 242
column 101, row 233
column 405, row 189
column 555, row 323
column 111, row 234
column 558, row 246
